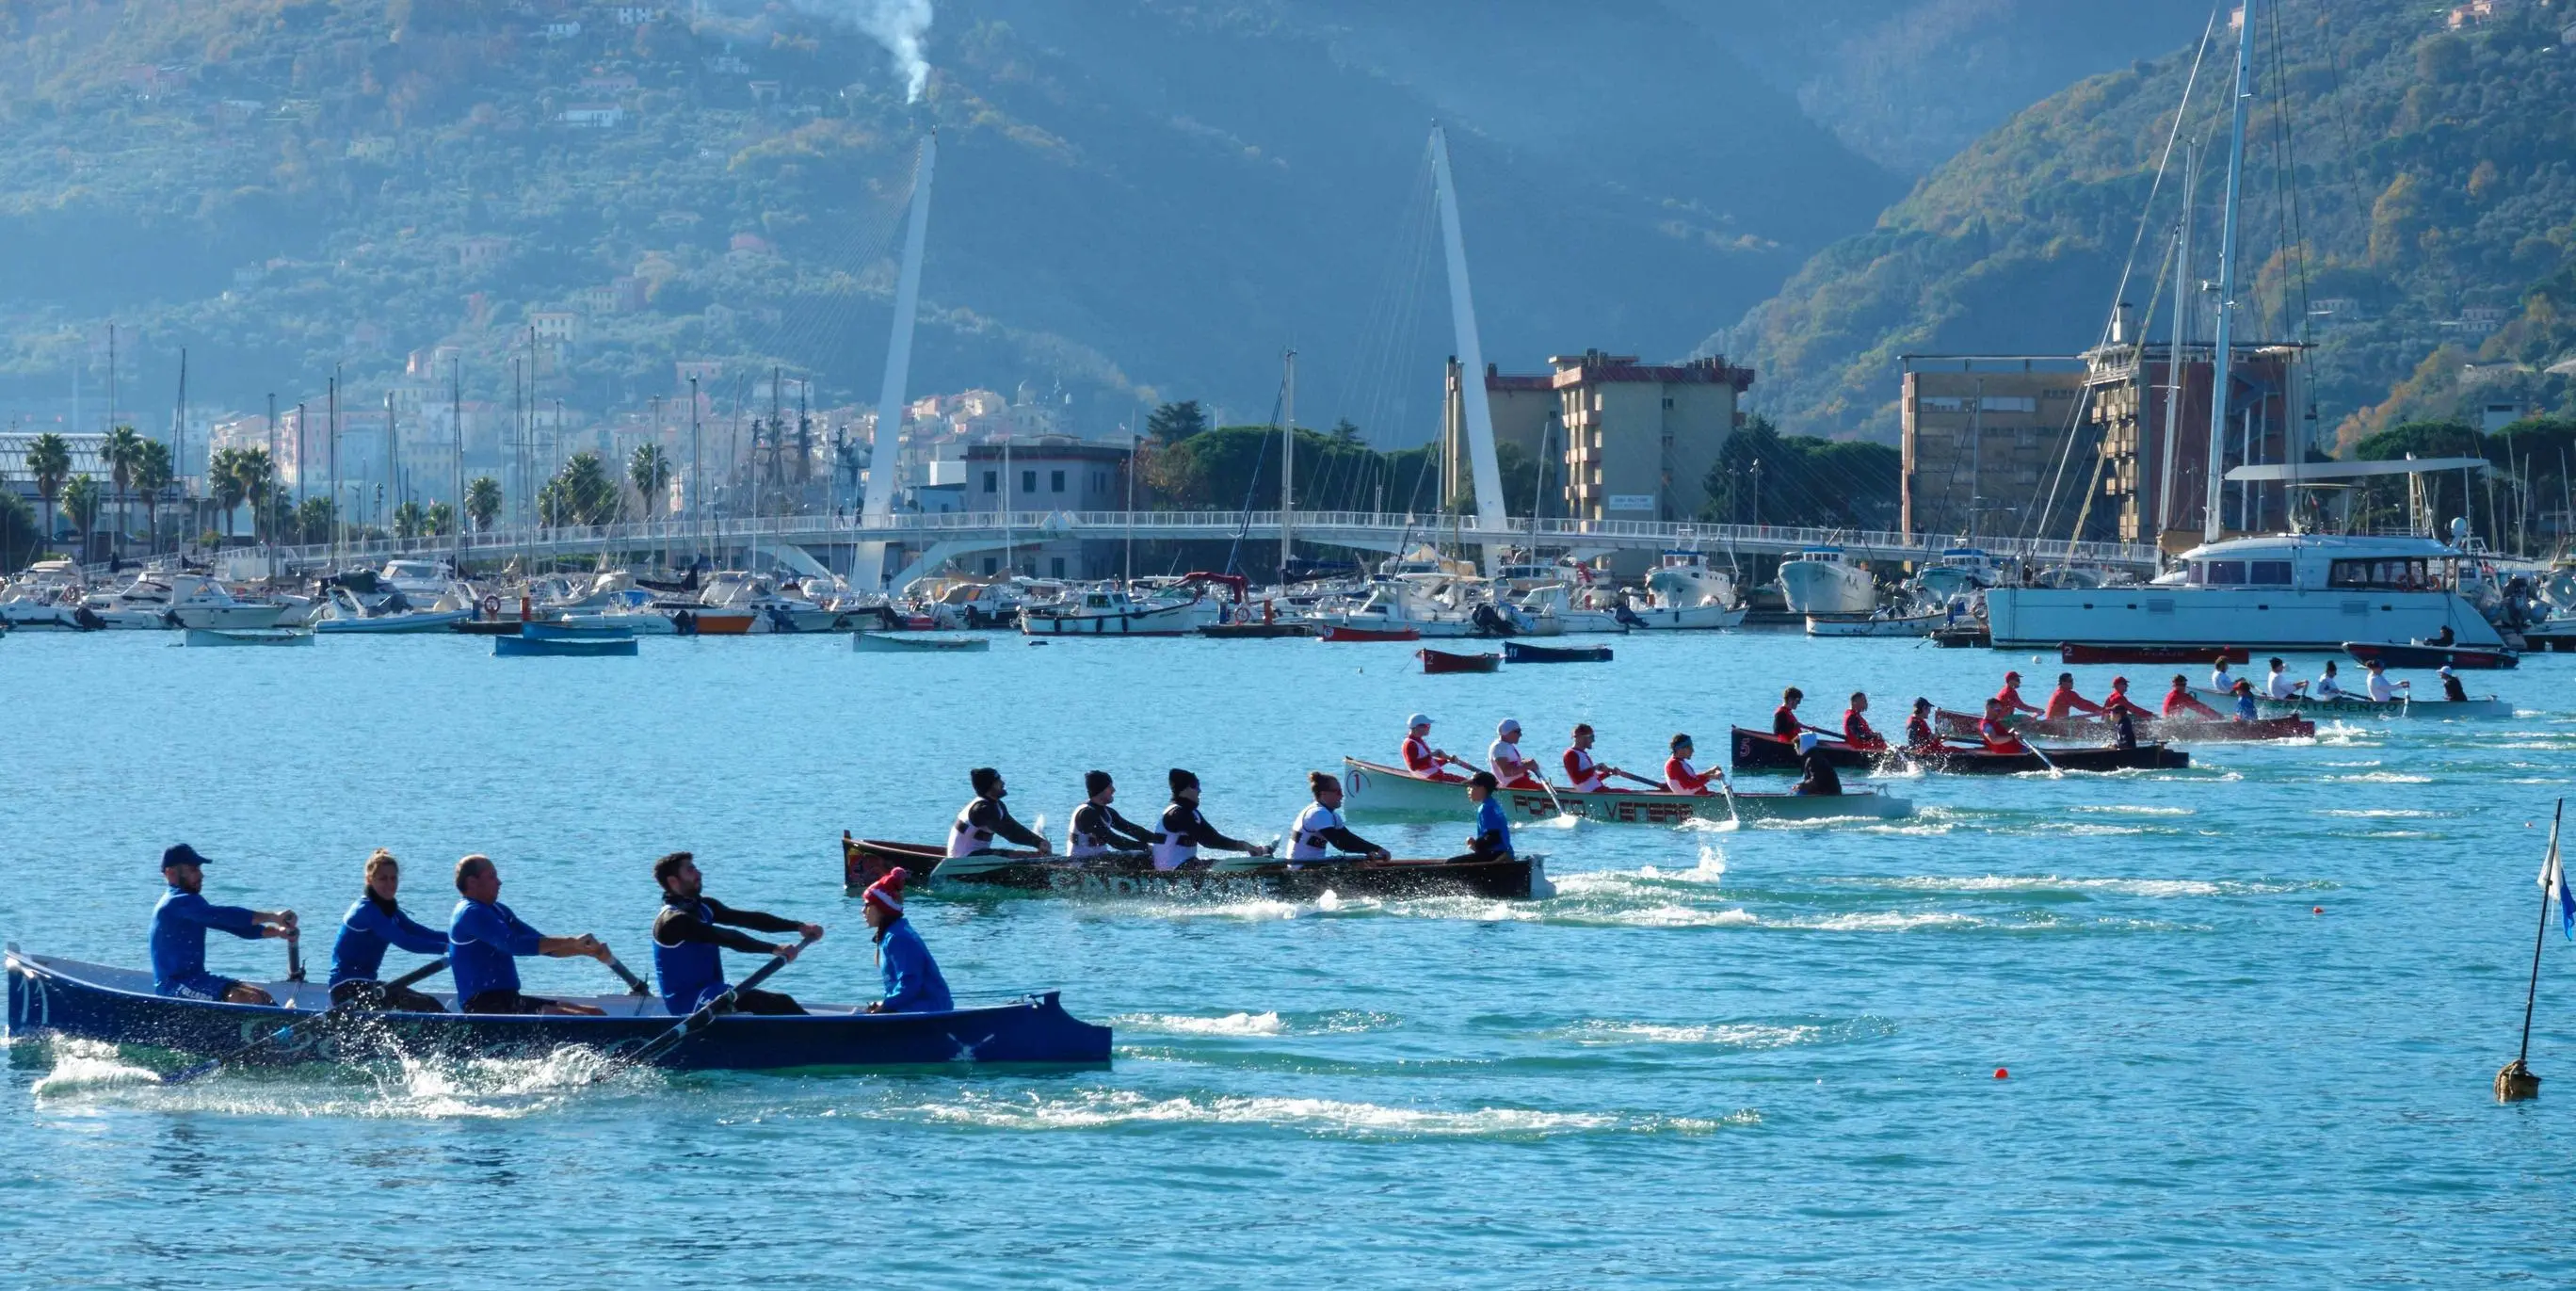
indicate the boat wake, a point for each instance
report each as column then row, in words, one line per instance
column 1317, row 1117
column 1334, row 1022
column 2162, row 889
column 1721, row 1035
column 402, row 1088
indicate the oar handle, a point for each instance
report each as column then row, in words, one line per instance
column 634, row 985
column 418, row 975
column 765, row 971
column 1631, row 775
column 294, row 957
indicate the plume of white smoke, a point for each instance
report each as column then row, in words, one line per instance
column 899, row 25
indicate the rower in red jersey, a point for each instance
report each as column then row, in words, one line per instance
column 2010, row 696
column 1420, row 758
column 1584, row 771
column 1681, row 777
column 1919, row 735
column 1856, row 730
column 2118, row 701
column 1503, row 757
column 1998, row 736
column 2064, row 702
column 1784, row 719
column 2180, row 703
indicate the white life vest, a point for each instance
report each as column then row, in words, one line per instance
column 2326, row 688
column 2381, row 689
column 2279, row 687
column 1504, row 756
column 2221, row 680
column 968, row 838
column 1584, row 772
column 1078, row 844
column 1171, row 851
column 1306, row 840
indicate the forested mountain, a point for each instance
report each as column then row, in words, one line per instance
column 2410, row 208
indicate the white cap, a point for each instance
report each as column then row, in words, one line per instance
column 1509, row 727
column 1417, row 719
column 1806, row 741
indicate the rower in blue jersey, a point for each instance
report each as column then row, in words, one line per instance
column 912, row 981
column 688, row 940
column 375, row 924
column 179, row 925
column 1493, row 840
column 485, row 940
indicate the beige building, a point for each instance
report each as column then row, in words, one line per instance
column 2126, row 417
column 1620, row 439
column 1979, row 437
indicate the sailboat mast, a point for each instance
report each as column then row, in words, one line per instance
column 867, row 569
column 2222, row 356
column 2183, row 303
column 1288, row 468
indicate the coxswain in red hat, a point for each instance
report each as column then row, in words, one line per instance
column 912, row 980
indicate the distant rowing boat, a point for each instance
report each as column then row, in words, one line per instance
column 563, row 647
column 1335, row 632
column 1440, row 661
column 1762, row 751
column 2098, row 730
column 883, row 643
column 201, row 638
column 1223, row 878
column 49, row 996
column 1377, row 789
column 2416, row 654
column 1521, row 652
column 2076, row 652
column 2355, row 706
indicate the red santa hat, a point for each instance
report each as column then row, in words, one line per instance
column 888, row 891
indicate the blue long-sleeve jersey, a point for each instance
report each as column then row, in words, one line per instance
column 484, row 941
column 912, row 981
column 179, row 927
column 368, row 930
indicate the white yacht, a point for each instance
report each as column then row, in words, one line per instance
column 777, row 611
column 1826, row 580
column 1683, row 591
column 1555, row 609
column 1396, row 604
column 1111, row 612
column 166, row 600
column 421, row 582
column 43, row 596
column 2273, row 592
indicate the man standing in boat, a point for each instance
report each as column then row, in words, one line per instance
column 1503, row 757
column 1493, row 838
column 912, row 980
column 1319, row 829
column 1098, row 830
column 688, row 934
column 981, row 821
column 1420, row 759
column 1856, row 729
column 1185, row 831
column 1582, row 770
column 373, row 926
column 179, row 925
column 486, row 939
column 2010, row 700
column 2064, row 702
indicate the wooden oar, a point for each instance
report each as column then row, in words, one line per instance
column 1656, row 785
column 212, row 1065
column 634, row 985
column 707, row 1013
column 294, row 957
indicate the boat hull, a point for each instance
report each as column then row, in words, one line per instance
column 1335, row 633
column 1826, row 587
column 1437, row 661
column 2489, row 706
column 201, row 638
column 2259, row 618
column 1376, row 789
column 2097, row 730
column 1516, row 652
column 1752, row 750
column 881, row 643
column 1915, row 625
column 1522, row 878
column 2391, row 655
column 1158, row 621
column 396, row 624
column 51, row 997
column 2076, row 653
column 561, row 648
column 1688, row 618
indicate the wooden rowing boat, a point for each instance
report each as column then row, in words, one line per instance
column 2353, row 706
column 562, row 647
column 201, row 638
column 55, row 997
column 1439, row 661
column 1376, row 789
column 2079, row 652
column 1752, row 750
column 2416, row 654
column 1223, row 878
column 885, row 643
column 1522, row 652
column 1336, row 632
column 2099, row 730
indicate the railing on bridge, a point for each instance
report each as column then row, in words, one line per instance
column 1358, row 528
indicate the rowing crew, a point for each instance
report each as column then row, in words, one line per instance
column 485, row 940
column 1585, row 773
column 1098, row 833
column 2278, row 687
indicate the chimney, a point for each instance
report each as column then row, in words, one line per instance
column 2120, row 324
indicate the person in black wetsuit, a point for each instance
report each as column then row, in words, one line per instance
column 1185, row 831
column 986, row 819
column 1820, row 780
column 687, row 936
column 2452, row 690
column 2124, row 732
column 1098, row 830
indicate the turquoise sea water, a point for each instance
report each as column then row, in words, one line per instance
column 2250, row 1011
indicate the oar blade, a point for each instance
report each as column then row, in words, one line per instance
column 186, row 1074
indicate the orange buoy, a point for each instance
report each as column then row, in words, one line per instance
column 2001, row 1073
column 2316, row 909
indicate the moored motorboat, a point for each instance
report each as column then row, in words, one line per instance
column 2418, row 654
column 1376, row 789
column 1752, row 750
column 1239, row 878
column 1521, row 652
column 1872, row 625
column 54, row 997
column 201, row 638
column 888, row 643
column 1441, row 661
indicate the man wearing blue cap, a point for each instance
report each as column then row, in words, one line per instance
column 179, row 925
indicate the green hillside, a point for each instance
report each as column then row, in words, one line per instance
column 2410, row 209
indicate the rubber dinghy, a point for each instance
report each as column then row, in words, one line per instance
column 1224, row 878
column 1378, row 790
column 1752, row 750
column 49, row 996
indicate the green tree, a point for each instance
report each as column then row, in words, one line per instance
column 442, row 519
column 312, row 521
column 584, row 493
column 483, row 502
column 121, row 450
column 650, row 470
column 80, row 506
column 224, row 483
column 411, row 520
column 254, row 478
column 1173, row 422
column 152, row 474
column 19, row 541
column 49, row 459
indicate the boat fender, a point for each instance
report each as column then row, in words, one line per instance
column 491, row 606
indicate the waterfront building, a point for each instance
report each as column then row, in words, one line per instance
column 1978, row 437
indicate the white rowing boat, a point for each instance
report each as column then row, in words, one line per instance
column 2356, row 706
column 1376, row 789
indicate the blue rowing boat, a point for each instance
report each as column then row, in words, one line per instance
column 51, row 997
column 572, row 647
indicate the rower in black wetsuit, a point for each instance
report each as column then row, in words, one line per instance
column 2452, row 690
column 1820, row 780
column 1098, row 829
column 986, row 819
column 1185, row 831
column 686, row 936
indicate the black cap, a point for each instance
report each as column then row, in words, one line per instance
column 181, row 854
column 1182, row 779
column 984, row 779
column 1094, row 781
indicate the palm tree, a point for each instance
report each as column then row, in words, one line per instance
column 442, row 519
column 49, row 459
column 120, row 451
column 650, row 470
column 584, row 493
column 410, row 520
column 80, row 503
column 482, row 502
column 224, row 481
column 151, row 475
column 254, row 477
